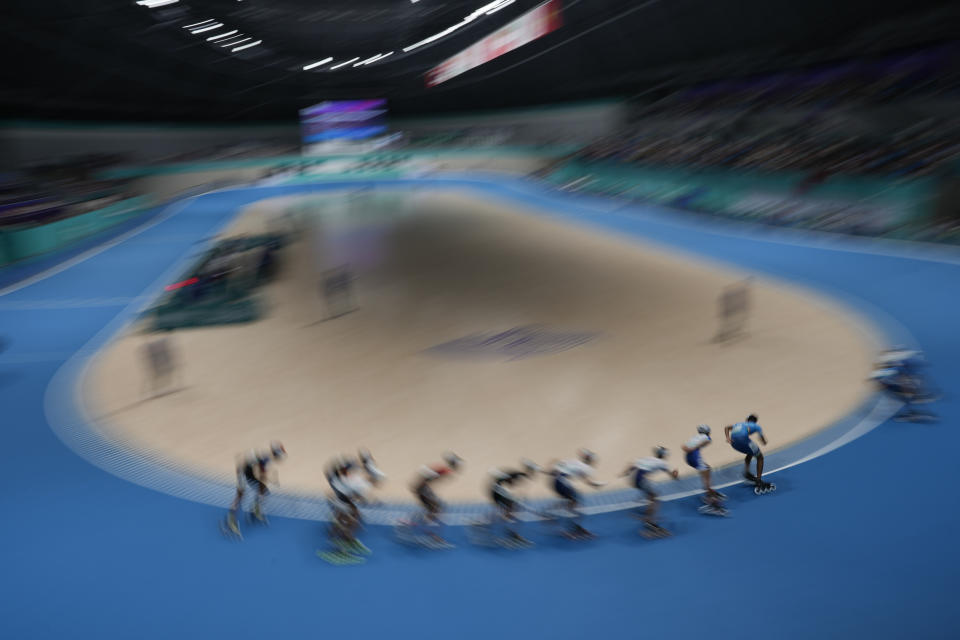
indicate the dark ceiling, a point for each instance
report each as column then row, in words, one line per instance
column 114, row 59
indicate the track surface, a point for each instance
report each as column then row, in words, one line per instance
column 858, row 541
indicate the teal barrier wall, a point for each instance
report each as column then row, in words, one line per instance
column 283, row 162
column 21, row 243
column 868, row 205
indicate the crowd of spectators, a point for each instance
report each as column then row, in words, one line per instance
column 233, row 151
column 790, row 148
column 928, row 73
column 895, row 117
column 47, row 192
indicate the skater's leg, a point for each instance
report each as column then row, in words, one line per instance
column 759, row 468
column 650, row 515
column 573, row 507
column 705, row 479
column 258, row 502
column 234, row 508
column 237, row 500
column 712, row 496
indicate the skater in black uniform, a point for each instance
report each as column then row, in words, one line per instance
column 502, row 483
column 350, row 483
column 253, row 471
column 432, row 505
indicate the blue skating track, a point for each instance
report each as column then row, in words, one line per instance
column 858, row 541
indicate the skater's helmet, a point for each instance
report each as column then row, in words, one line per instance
column 277, row 450
column 587, row 456
column 453, row 460
column 704, row 429
column 752, row 417
column 661, row 452
column 345, row 464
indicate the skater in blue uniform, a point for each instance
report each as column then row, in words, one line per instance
column 738, row 435
column 642, row 469
column 712, row 498
column 899, row 372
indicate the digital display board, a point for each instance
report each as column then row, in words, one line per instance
column 343, row 120
column 534, row 24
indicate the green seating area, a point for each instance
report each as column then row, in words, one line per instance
column 25, row 241
column 221, row 287
column 858, row 205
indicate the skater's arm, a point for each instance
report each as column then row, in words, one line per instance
column 628, row 471
column 763, row 440
column 726, row 432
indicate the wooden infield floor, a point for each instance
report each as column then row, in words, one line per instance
column 491, row 332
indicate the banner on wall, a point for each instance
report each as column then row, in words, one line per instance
column 534, row 24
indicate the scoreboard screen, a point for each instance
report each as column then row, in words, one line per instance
column 343, row 120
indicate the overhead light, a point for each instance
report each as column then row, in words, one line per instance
column 490, row 7
column 197, row 24
column 151, row 4
column 233, row 41
column 222, row 35
column 207, row 28
column 247, row 46
column 367, row 61
column 344, row 63
column 504, row 3
column 314, row 65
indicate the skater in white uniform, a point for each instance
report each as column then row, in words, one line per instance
column 564, row 473
column 641, row 470
column 713, row 499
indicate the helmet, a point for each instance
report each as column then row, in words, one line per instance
column 452, row 459
column 704, row 429
column 587, row 456
column 277, row 450
column 661, row 452
column 752, row 417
